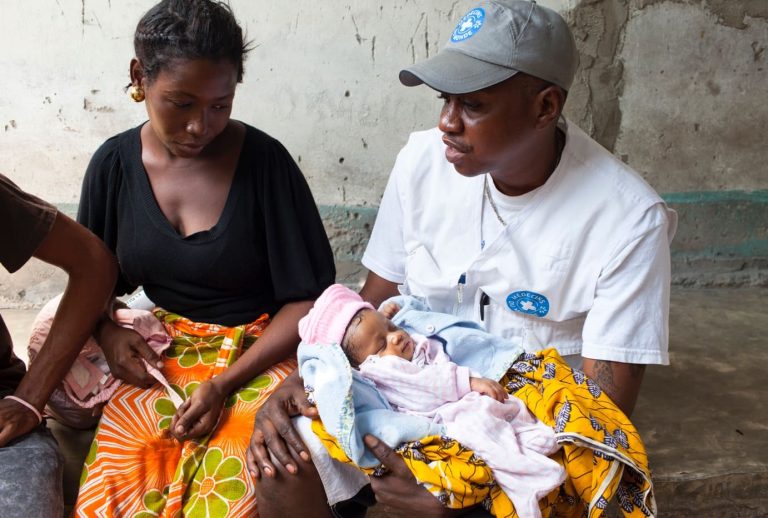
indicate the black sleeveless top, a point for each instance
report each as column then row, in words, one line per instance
column 268, row 247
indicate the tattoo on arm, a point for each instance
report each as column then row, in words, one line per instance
column 621, row 381
column 603, row 376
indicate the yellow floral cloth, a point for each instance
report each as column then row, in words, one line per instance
column 137, row 469
column 602, row 453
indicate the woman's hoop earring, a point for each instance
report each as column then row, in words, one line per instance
column 136, row 93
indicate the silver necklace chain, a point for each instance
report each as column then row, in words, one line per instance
column 491, row 202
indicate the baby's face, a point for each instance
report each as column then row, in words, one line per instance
column 370, row 332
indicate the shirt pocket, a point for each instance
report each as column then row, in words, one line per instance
column 535, row 333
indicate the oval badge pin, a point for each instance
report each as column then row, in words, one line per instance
column 528, row 302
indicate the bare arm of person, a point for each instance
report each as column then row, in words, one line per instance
column 377, row 289
column 92, row 270
column 621, row 381
column 277, row 343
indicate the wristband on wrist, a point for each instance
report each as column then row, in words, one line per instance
column 28, row 405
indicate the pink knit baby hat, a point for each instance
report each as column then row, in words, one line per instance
column 328, row 319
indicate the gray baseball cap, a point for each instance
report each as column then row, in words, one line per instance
column 496, row 40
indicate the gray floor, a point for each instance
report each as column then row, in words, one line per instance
column 704, row 418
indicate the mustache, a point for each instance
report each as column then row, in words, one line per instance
column 458, row 146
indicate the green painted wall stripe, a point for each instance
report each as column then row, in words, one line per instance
column 759, row 196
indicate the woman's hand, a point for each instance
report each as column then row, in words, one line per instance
column 273, row 430
column 15, row 420
column 199, row 414
column 398, row 487
column 126, row 351
column 489, row 388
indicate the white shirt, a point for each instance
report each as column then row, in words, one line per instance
column 506, row 206
column 583, row 267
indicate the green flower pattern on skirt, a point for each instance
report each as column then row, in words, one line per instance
column 216, row 483
column 250, row 391
column 89, row 460
column 154, row 502
column 194, row 350
column 165, row 408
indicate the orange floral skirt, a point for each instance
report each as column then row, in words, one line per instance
column 136, row 469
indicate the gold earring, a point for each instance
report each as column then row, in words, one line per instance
column 136, row 93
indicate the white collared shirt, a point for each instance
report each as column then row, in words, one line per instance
column 583, row 266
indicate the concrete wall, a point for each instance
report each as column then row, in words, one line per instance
column 676, row 88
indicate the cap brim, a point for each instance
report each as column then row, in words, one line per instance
column 455, row 73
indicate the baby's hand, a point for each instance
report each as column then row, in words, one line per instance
column 389, row 310
column 489, row 388
column 198, row 415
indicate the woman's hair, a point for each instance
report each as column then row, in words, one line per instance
column 188, row 29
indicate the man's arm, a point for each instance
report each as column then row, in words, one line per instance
column 631, row 309
column 377, row 289
column 92, row 271
column 621, row 381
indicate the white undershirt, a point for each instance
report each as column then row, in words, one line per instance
column 508, row 207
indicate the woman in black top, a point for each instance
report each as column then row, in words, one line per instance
column 214, row 220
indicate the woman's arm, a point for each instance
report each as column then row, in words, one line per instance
column 278, row 342
column 92, row 271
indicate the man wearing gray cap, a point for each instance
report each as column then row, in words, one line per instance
column 510, row 215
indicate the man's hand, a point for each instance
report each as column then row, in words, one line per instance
column 274, row 432
column 15, row 420
column 198, row 415
column 398, row 487
column 488, row 388
column 126, row 350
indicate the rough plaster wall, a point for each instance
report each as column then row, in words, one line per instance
column 322, row 78
column 674, row 87
column 329, row 76
column 693, row 113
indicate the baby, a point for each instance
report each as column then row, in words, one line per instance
column 416, row 376
column 412, row 371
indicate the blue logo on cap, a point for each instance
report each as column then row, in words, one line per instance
column 528, row 302
column 468, row 25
